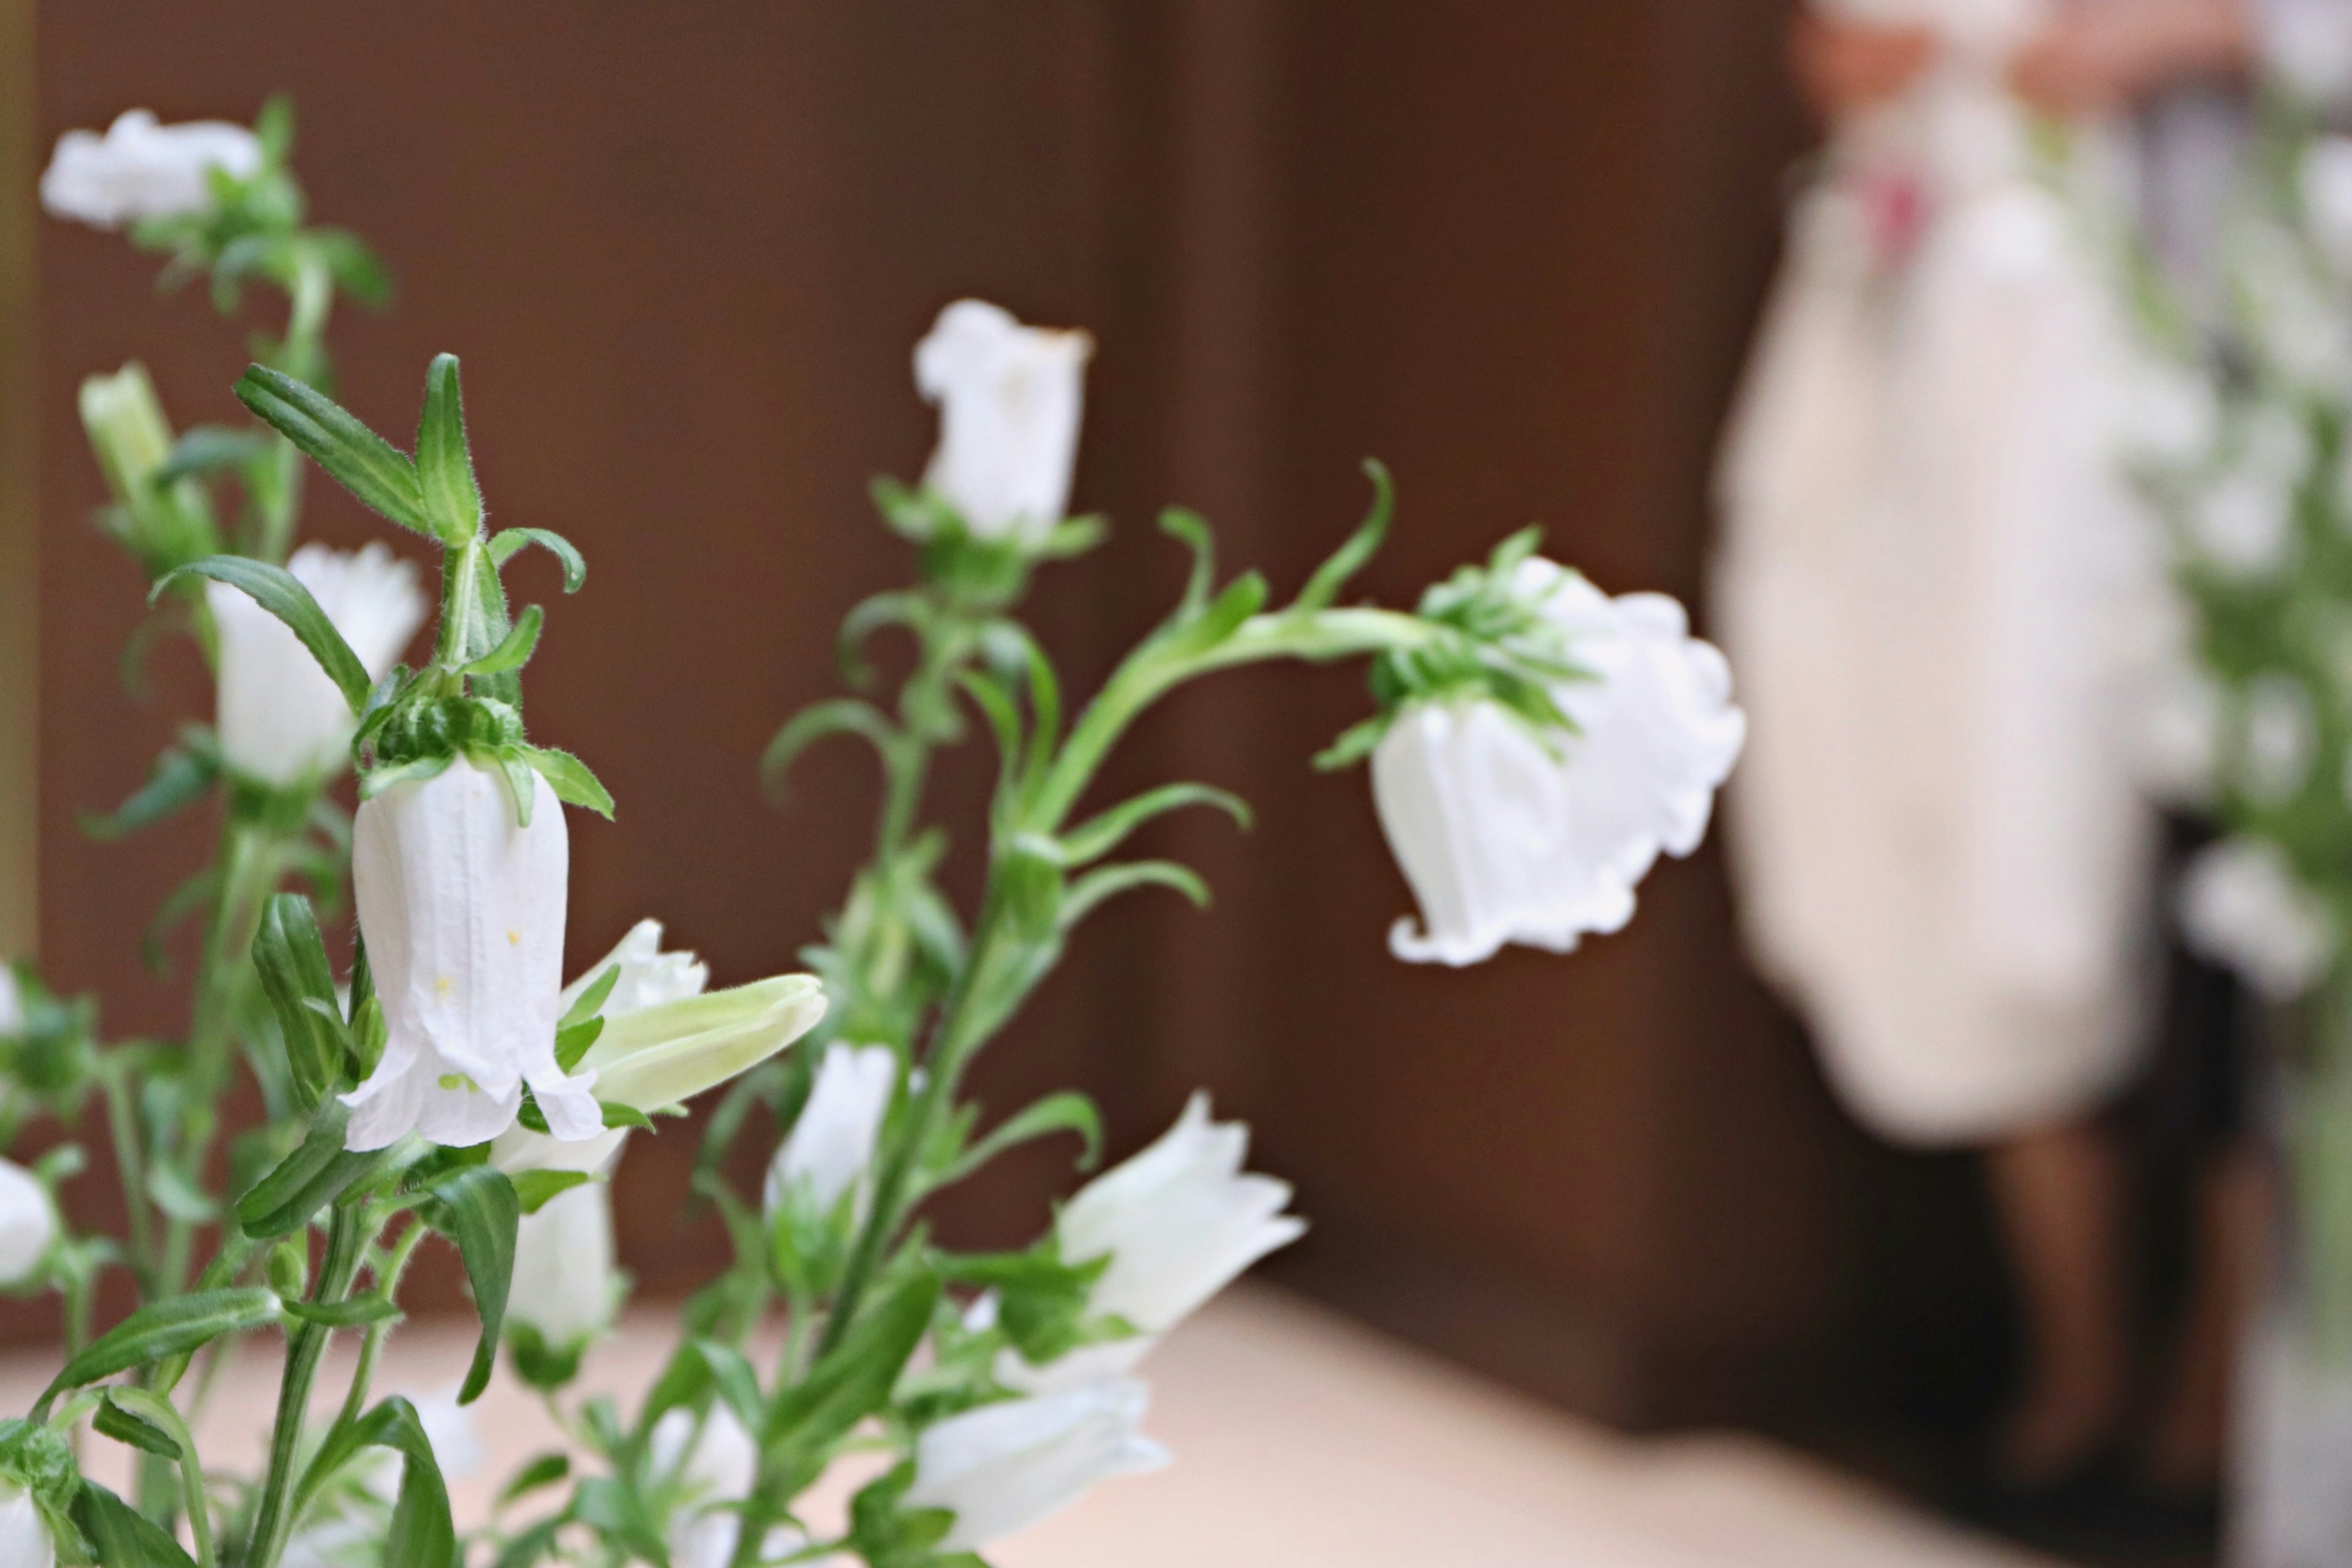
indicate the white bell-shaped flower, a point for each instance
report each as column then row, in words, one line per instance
column 1010, row 400
column 713, row 1468
column 282, row 720
column 12, row 1002
column 24, row 1534
column 1179, row 1222
column 462, row 909
column 564, row 1271
column 28, row 1226
column 1003, row 1467
column 1506, row 835
column 831, row 1144
column 2241, row 905
column 140, row 169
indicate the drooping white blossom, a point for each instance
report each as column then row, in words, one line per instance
column 1009, row 399
column 24, row 1534
column 831, row 1141
column 563, row 1273
column 711, row 1468
column 2306, row 47
column 28, row 1226
column 1506, row 835
column 1179, row 1222
column 12, row 1002
column 462, row 909
column 281, row 719
column 2241, row 905
column 140, row 169
column 1003, row 1467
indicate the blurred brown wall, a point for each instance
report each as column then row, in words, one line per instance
column 1512, row 248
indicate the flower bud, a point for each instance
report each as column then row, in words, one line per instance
column 1009, row 399
column 282, row 720
column 1179, row 1222
column 666, row 1054
column 28, row 1227
column 165, row 526
column 832, row 1143
column 1002, row 1467
column 140, row 169
column 1508, row 835
column 462, row 909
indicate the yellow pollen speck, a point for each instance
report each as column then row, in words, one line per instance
column 514, row 939
column 443, row 986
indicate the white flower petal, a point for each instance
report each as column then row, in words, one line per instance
column 140, row 169
column 831, row 1141
column 24, row 1535
column 2240, row 905
column 28, row 1224
column 1003, row 1467
column 564, row 1271
column 1010, row 400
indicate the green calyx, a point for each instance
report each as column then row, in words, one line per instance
column 977, row 573
column 467, row 702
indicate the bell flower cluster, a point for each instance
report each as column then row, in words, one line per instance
column 1508, row 833
column 281, row 720
column 1010, row 398
column 141, row 169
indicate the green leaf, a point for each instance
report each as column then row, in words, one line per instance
column 208, row 448
column 1098, row 837
column 533, row 1188
column 855, row 1379
column 543, row 1471
column 569, row 777
column 1349, row 559
column 514, row 650
column 590, row 1002
column 280, row 592
column 445, row 467
column 291, row 958
column 508, row 542
column 422, row 1534
column 1069, row 1111
column 477, row 1208
column 840, row 716
column 617, row 1114
column 616, row 1512
column 120, row 1536
column 180, row 777
column 573, row 1043
column 316, row 1173
column 113, row 1421
column 357, row 1312
column 178, row 1197
column 1109, row 881
column 169, row 1327
column 378, row 473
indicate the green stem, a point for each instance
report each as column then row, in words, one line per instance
column 346, row 1243
column 395, row 1265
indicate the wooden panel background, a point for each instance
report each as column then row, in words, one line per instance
column 685, row 251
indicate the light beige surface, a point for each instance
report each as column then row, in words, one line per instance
column 1302, row 1440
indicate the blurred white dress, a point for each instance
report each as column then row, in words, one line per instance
column 1929, row 553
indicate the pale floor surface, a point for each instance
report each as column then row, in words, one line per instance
column 1301, row 1440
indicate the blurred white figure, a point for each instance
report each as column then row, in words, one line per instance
column 12, row 1001
column 140, row 169
column 1010, row 398
column 28, row 1226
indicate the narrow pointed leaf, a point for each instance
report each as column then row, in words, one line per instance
column 521, row 640
column 841, row 716
column 1107, row 882
column 120, row 1536
column 508, row 542
column 168, row 1326
column 355, row 456
column 1069, row 1111
column 569, row 777
column 1349, row 559
column 1093, row 839
column 855, row 1379
column 477, row 1207
column 445, row 467
column 280, row 592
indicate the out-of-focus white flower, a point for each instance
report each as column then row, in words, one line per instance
column 713, row 1469
column 1003, row 1467
column 1502, row 839
column 2171, row 414
column 281, row 719
column 1179, row 1222
column 463, row 911
column 2241, row 905
column 1009, row 399
column 2301, row 327
column 2307, row 45
column 28, row 1224
column 2244, row 525
column 140, row 169
column 2324, row 184
column 12, row 1002
column 832, row 1143
column 2281, row 734
column 563, row 1275
column 648, row 975
column 24, row 1534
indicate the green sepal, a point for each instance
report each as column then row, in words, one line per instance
column 514, row 650
column 41, row 1460
column 445, row 467
column 1323, row 588
column 1067, row 1111
column 376, row 472
column 569, row 777
column 280, row 592
column 573, row 1042
column 1041, row 1301
column 111, row 1420
column 590, row 1002
column 542, row 1365
column 508, row 542
column 534, row 1188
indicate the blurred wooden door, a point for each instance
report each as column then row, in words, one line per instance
column 1511, row 248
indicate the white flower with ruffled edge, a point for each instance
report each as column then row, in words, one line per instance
column 1509, row 836
column 140, row 169
column 281, row 719
column 1002, row 1467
